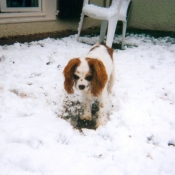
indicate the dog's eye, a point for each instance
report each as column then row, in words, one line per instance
column 76, row 77
column 89, row 78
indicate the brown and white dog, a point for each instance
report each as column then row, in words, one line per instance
column 92, row 74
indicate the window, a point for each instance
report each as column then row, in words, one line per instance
column 20, row 5
column 16, row 11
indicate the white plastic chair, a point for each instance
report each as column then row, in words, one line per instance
column 108, row 16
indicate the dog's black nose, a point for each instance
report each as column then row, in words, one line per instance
column 81, row 87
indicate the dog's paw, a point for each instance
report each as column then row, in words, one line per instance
column 86, row 117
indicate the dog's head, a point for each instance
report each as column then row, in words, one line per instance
column 86, row 74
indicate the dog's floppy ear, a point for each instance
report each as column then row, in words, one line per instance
column 68, row 74
column 99, row 77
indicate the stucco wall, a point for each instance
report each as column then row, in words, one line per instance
column 145, row 14
column 17, row 29
column 153, row 15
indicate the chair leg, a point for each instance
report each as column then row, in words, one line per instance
column 103, row 28
column 123, row 34
column 111, row 31
column 80, row 26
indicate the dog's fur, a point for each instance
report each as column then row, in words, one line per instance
column 92, row 74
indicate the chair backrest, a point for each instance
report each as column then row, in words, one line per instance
column 124, row 8
column 85, row 2
column 116, row 4
column 120, row 4
column 117, row 8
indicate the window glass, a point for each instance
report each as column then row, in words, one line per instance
column 22, row 3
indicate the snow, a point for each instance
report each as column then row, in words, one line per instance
column 99, row 12
column 36, row 138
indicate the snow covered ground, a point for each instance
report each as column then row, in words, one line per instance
column 139, row 138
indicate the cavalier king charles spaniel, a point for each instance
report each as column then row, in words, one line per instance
column 93, row 75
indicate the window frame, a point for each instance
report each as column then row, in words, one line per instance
column 5, row 9
column 48, row 12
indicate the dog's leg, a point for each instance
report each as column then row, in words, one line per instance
column 87, row 108
column 111, row 81
column 103, row 108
